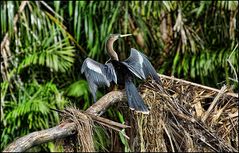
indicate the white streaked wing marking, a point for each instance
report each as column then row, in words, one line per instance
column 93, row 67
column 140, row 59
column 97, row 69
column 133, row 71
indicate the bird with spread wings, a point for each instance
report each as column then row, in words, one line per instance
column 118, row 72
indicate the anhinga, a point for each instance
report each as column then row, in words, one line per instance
column 120, row 72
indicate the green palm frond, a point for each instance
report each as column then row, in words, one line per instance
column 32, row 110
column 58, row 56
column 45, row 45
column 205, row 65
column 77, row 89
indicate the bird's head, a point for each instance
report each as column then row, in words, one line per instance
column 114, row 37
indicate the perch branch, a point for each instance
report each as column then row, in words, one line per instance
column 100, row 106
column 39, row 137
column 64, row 129
column 197, row 85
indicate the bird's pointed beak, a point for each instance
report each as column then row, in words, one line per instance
column 125, row 35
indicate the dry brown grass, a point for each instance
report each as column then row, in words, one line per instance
column 185, row 118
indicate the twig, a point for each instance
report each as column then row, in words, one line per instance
column 114, row 128
column 228, row 60
column 107, row 121
column 169, row 137
column 204, row 118
column 198, row 85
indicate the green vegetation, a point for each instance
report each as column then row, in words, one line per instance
column 42, row 55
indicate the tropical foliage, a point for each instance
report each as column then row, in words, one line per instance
column 43, row 45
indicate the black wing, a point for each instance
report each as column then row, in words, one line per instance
column 98, row 74
column 140, row 66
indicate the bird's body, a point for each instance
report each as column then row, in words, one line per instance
column 121, row 73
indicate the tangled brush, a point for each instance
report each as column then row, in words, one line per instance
column 83, row 140
column 185, row 117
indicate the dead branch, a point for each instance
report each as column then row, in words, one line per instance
column 39, row 137
column 214, row 103
column 64, row 129
column 100, row 107
column 198, row 85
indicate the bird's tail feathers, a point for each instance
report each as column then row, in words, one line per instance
column 135, row 101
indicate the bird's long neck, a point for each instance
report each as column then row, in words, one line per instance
column 110, row 49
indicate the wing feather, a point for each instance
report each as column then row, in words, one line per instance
column 140, row 66
column 98, row 74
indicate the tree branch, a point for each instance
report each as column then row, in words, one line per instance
column 197, row 85
column 39, row 137
column 103, row 103
column 64, row 129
